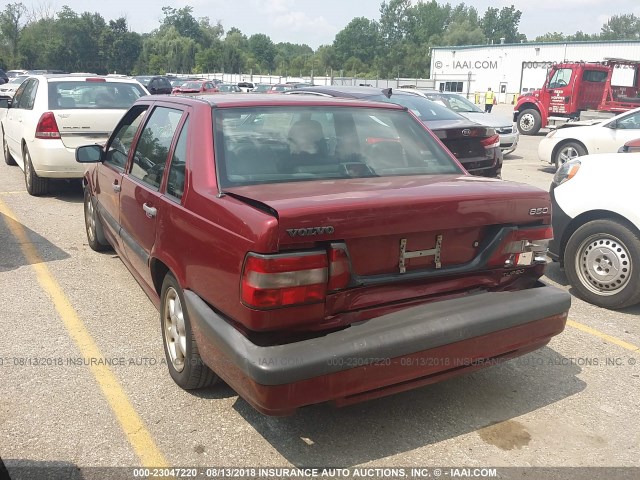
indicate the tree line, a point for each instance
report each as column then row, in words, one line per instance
column 397, row 44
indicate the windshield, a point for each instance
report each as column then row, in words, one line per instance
column 191, row 85
column 455, row 102
column 285, row 144
column 423, row 108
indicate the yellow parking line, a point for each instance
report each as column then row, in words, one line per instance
column 604, row 336
column 133, row 426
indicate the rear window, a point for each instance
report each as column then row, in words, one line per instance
column 288, row 144
column 192, row 85
column 81, row 94
column 595, row 76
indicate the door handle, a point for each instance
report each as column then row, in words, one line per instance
column 116, row 187
column 150, row 211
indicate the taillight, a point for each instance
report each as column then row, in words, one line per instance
column 47, row 126
column 491, row 142
column 524, row 246
column 271, row 281
column 284, row 280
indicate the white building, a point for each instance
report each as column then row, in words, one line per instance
column 511, row 69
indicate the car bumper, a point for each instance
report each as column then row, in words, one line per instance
column 560, row 222
column 51, row 159
column 545, row 150
column 509, row 141
column 392, row 353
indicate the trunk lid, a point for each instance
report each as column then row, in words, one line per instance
column 373, row 216
column 83, row 126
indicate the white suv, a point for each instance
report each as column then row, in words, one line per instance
column 596, row 227
column 50, row 115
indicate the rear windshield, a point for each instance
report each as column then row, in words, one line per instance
column 285, row 144
column 192, row 85
column 424, row 109
column 103, row 95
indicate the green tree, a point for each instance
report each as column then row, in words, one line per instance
column 263, row 52
column 621, row 27
column 502, row 24
column 359, row 39
column 11, row 26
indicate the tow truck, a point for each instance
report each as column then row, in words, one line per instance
column 580, row 91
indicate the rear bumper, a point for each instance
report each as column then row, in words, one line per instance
column 395, row 352
column 52, row 159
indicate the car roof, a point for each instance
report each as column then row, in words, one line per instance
column 267, row 100
column 346, row 90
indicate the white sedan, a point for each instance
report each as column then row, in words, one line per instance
column 596, row 227
column 576, row 139
column 50, row 115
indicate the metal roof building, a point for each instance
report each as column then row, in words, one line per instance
column 512, row 69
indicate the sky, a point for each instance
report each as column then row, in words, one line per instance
column 316, row 22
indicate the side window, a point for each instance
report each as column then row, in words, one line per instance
column 175, row 183
column 122, row 139
column 630, row 122
column 28, row 97
column 18, row 95
column 152, row 149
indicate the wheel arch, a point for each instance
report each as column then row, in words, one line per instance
column 530, row 105
column 591, row 216
column 560, row 144
column 160, row 268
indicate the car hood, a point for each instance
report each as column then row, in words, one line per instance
column 446, row 124
column 488, row 120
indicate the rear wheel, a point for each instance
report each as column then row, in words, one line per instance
column 529, row 122
column 93, row 225
column 568, row 151
column 602, row 259
column 8, row 159
column 183, row 359
column 36, row 185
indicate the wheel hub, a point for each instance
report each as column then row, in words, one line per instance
column 604, row 265
column 174, row 329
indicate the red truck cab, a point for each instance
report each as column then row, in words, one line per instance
column 573, row 88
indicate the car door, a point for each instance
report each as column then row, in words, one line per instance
column 108, row 181
column 141, row 197
column 14, row 124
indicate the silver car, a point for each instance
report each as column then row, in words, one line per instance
column 503, row 125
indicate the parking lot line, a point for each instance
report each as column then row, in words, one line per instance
column 132, row 425
column 604, row 336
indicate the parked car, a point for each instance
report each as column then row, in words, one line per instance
column 9, row 89
column 280, row 88
column 632, row 146
column 503, row 125
column 15, row 73
column 308, row 249
column 157, row 85
column 228, row 88
column 575, row 139
column 197, row 86
column 261, row 87
column 49, row 116
column 596, row 227
column 475, row 146
column 246, row 86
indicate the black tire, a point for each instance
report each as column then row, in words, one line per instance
column 185, row 367
column 93, row 225
column 36, row 185
column 8, row 159
column 529, row 122
column 568, row 151
column 602, row 263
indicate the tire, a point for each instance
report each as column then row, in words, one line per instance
column 568, row 151
column 93, row 225
column 36, row 185
column 181, row 351
column 602, row 263
column 8, row 159
column 529, row 122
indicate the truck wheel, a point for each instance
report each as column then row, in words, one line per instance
column 602, row 259
column 529, row 122
column 568, row 151
column 185, row 365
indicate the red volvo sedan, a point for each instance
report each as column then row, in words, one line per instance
column 308, row 249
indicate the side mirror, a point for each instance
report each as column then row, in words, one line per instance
column 89, row 154
column 5, row 102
